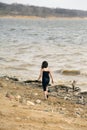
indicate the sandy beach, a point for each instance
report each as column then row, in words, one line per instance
column 22, row 107
column 37, row 17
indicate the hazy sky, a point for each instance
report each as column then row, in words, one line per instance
column 69, row 4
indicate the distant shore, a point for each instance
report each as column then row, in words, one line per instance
column 36, row 17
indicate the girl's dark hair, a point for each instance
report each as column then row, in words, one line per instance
column 44, row 64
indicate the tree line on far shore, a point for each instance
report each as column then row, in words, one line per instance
column 27, row 10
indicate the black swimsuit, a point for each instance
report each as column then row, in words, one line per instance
column 45, row 79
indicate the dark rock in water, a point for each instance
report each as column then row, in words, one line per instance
column 71, row 72
column 77, row 89
column 32, row 81
column 14, row 79
column 84, row 93
column 11, row 78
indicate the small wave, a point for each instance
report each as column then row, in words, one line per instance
column 70, row 72
column 2, row 59
column 15, row 41
column 84, row 73
column 15, row 68
column 8, row 60
column 13, row 60
column 5, row 59
column 26, row 65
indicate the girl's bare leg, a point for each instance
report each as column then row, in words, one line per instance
column 46, row 93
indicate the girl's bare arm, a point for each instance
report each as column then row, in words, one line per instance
column 40, row 75
column 51, row 77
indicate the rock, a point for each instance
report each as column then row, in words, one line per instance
column 11, row 78
column 38, row 101
column 1, row 86
column 81, row 100
column 67, row 98
column 30, row 103
column 17, row 98
column 52, row 89
column 54, row 94
column 84, row 95
column 67, row 93
column 63, row 87
column 9, row 95
column 32, row 81
column 36, row 94
column 78, row 114
column 23, row 101
column 77, row 89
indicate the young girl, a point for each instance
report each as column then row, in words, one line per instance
column 45, row 73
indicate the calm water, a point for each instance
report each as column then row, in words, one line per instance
column 25, row 43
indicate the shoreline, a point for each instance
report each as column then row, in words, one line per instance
column 36, row 17
column 67, row 89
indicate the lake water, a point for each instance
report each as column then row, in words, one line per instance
column 25, row 43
